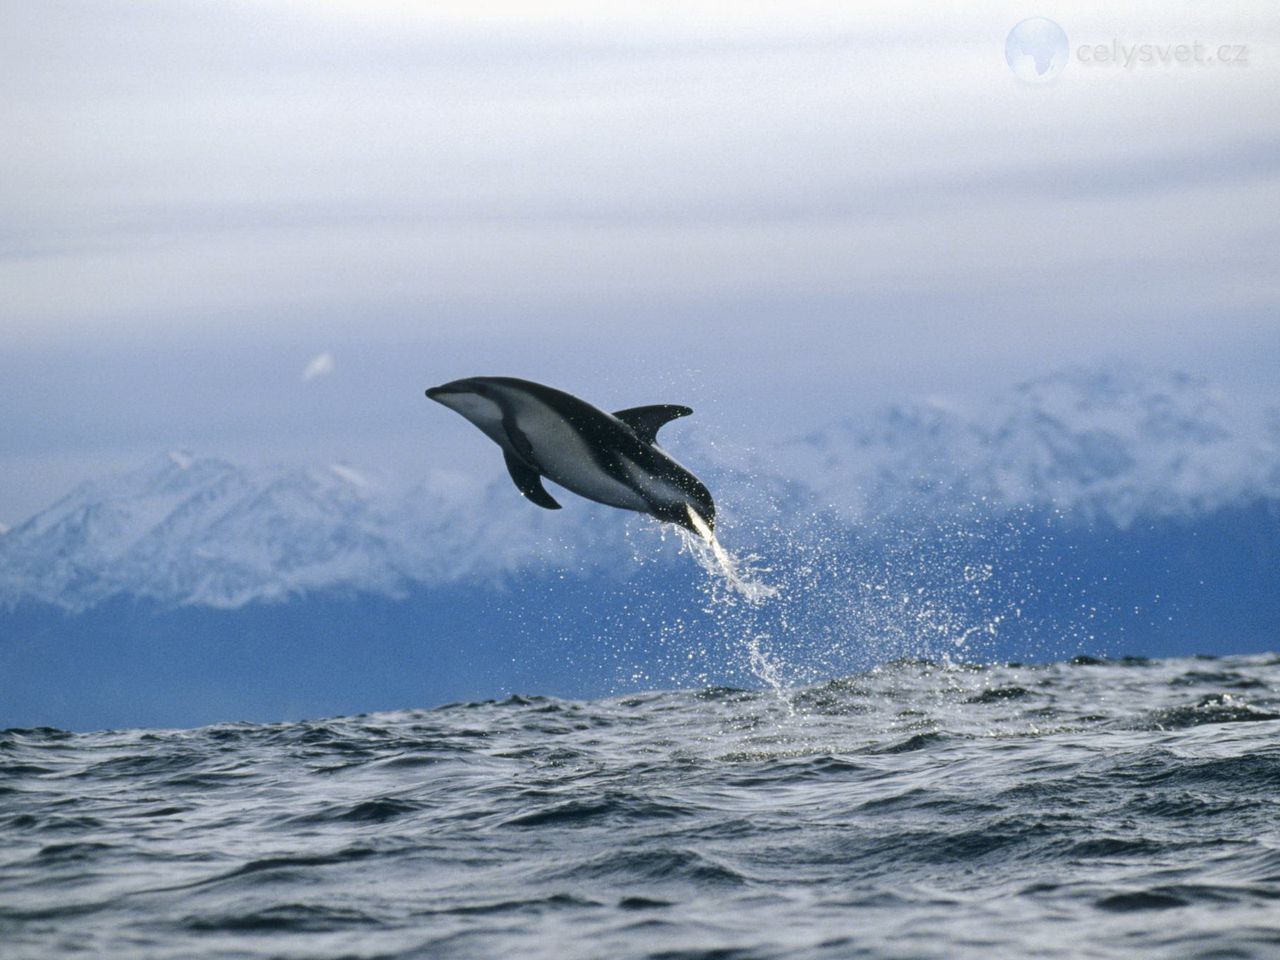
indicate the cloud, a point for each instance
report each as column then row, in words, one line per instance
column 321, row 365
column 363, row 156
column 774, row 215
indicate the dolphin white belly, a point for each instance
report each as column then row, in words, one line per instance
column 565, row 457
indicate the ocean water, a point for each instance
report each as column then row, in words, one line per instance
column 1079, row 809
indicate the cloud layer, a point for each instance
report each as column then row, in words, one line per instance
column 786, row 213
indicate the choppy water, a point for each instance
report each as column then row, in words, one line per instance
column 1074, row 810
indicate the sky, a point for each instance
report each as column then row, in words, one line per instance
column 260, row 229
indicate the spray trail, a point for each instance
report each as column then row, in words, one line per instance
column 737, row 573
column 745, row 581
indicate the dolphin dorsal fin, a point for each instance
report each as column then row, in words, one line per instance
column 646, row 421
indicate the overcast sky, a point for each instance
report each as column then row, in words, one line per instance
column 260, row 229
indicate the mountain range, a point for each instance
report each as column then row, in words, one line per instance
column 1100, row 506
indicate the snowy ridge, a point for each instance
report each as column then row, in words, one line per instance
column 189, row 530
column 198, row 529
column 1111, row 446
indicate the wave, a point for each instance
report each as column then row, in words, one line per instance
column 922, row 808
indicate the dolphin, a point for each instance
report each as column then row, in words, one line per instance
column 611, row 458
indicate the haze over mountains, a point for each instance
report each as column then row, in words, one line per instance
column 1146, row 498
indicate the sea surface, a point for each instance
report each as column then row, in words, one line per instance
column 1081, row 809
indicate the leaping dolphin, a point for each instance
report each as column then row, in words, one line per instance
column 611, row 458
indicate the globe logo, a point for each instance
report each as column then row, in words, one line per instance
column 1036, row 50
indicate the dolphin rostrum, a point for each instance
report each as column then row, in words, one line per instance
column 612, row 458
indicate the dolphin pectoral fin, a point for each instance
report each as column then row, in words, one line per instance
column 647, row 421
column 519, row 442
column 529, row 482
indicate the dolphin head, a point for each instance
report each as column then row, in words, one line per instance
column 456, row 388
column 474, row 398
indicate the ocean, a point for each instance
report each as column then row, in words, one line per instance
column 1124, row 808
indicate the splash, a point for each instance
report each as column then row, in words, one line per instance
column 742, row 579
column 830, row 605
column 798, row 595
column 768, row 668
column 737, row 573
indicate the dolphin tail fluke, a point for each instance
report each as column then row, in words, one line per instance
column 647, row 421
column 529, row 482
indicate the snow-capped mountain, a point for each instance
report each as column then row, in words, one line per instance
column 183, row 529
column 1114, row 445
column 1100, row 446
column 196, row 529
